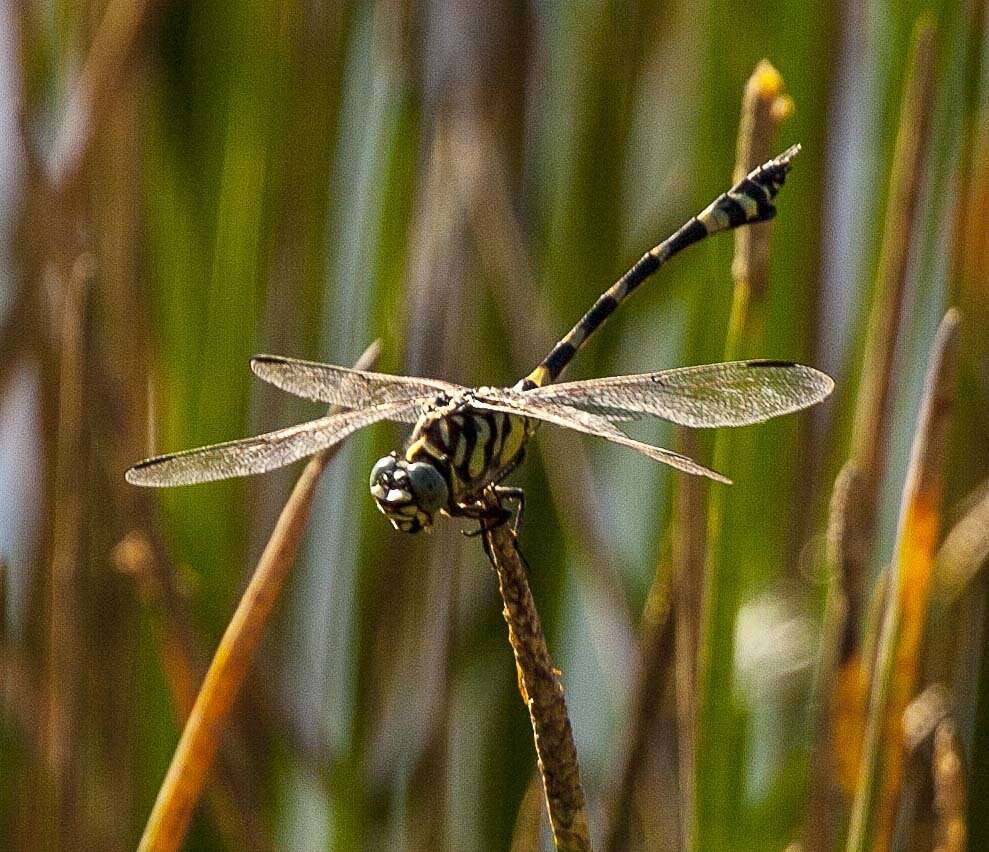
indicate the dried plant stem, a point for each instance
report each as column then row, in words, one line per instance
column 107, row 63
column 688, row 559
column 949, row 790
column 841, row 676
column 872, row 404
column 669, row 634
column 539, row 683
column 186, row 776
column 900, row 646
column 658, row 634
column 65, row 652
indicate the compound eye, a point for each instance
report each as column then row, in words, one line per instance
column 382, row 467
column 428, row 486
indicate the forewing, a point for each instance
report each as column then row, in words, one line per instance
column 344, row 386
column 521, row 404
column 263, row 452
column 735, row 393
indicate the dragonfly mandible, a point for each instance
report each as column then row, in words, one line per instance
column 466, row 441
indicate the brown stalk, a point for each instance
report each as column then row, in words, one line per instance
column 950, row 831
column 652, row 677
column 19, row 701
column 901, row 647
column 542, row 692
column 852, row 517
column 688, row 588
column 500, row 240
column 963, row 553
column 60, row 722
column 669, row 635
column 48, row 236
column 93, row 94
column 193, row 758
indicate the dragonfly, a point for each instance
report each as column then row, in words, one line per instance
column 466, row 441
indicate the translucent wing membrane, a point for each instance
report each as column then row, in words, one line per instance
column 343, row 386
column 264, row 452
column 735, row 393
column 523, row 404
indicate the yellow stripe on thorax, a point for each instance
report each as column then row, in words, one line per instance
column 515, row 435
column 482, row 432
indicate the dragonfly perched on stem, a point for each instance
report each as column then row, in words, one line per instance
column 465, row 441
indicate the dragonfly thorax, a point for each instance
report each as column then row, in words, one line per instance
column 408, row 493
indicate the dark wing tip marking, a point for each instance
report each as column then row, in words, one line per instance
column 134, row 474
column 824, row 381
column 766, row 362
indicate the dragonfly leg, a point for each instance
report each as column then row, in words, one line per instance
column 490, row 519
column 476, row 510
column 513, row 495
column 493, row 512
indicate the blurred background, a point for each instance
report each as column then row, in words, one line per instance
column 185, row 184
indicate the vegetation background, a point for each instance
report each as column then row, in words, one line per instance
column 185, row 184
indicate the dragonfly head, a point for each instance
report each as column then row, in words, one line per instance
column 408, row 493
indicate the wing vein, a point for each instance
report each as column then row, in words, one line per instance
column 735, row 393
column 262, row 452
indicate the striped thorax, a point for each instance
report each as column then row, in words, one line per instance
column 454, row 453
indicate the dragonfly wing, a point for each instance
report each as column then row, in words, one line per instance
column 261, row 453
column 522, row 405
column 342, row 385
column 736, row 393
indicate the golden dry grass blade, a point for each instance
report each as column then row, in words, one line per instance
column 539, row 683
column 870, row 426
column 186, row 776
column 901, row 644
column 841, row 686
